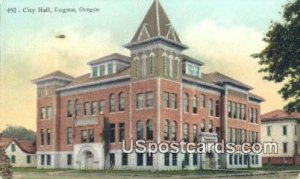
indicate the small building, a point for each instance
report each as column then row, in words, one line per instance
column 282, row 128
column 20, row 152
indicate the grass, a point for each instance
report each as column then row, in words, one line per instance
column 35, row 170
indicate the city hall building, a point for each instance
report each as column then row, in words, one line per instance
column 158, row 94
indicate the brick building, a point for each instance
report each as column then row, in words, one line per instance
column 158, row 93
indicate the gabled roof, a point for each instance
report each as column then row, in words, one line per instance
column 156, row 25
column 24, row 145
column 279, row 115
column 55, row 75
column 114, row 56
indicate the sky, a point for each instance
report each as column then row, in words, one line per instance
column 222, row 34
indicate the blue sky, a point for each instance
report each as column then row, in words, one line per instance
column 219, row 32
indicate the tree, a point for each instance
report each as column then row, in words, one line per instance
column 19, row 133
column 280, row 60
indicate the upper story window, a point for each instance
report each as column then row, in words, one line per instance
column 140, row 101
column 103, row 69
column 202, row 101
column 186, row 102
column 43, row 113
column 186, row 132
column 122, row 101
column 42, row 137
column 13, row 147
column 210, row 127
column 210, row 107
column 77, row 107
column 166, row 130
column 149, row 99
column 102, row 106
column 174, row 131
column 195, row 105
column 166, row 100
column 284, row 130
column 70, row 108
column 109, row 68
column 48, row 136
column 174, row 101
column 94, row 107
column 202, row 125
column 140, row 130
column 112, row 103
column 269, row 130
column 193, row 70
column 149, row 132
column 217, row 108
column 229, row 109
column 49, row 112
column 87, row 110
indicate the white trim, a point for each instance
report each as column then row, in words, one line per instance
column 157, row 17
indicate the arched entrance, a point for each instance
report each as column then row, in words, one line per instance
column 209, row 160
column 87, row 160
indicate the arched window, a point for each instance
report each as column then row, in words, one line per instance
column 217, row 108
column 186, row 102
column 122, row 101
column 144, row 68
column 48, row 136
column 166, row 64
column 195, row 105
column 70, row 108
column 112, row 103
column 149, row 131
column 151, row 64
column 140, row 130
column 195, row 133
column 42, row 137
column 210, row 127
column 77, row 107
column 202, row 125
column 166, row 130
column 174, row 130
column 170, row 64
column 210, row 107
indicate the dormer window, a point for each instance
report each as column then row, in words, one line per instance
column 103, row 69
column 193, row 70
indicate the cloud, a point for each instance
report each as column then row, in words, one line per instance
column 228, row 49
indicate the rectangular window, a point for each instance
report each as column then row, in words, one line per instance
column 174, row 159
column 217, row 108
column 149, row 99
column 87, row 108
column 28, row 159
column 101, row 106
column 94, row 107
column 241, row 159
column 48, row 136
column 42, row 159
column 124, row 159
column 13, row 147
column 167, row 159
column 112, row 133
column 285, row 147
column 139, row 159
column 230, row 134
column 49, row 112
column 238, row 115
column 95, row 71
column 229, row 109
column 13, row 159
column 48, row 159
column 43, row 113
column 268, row 130
column 245, row 159
column 91, row 136
column 166, row 100
column 139, row 101
column 112, row 160
column 102, row 70
column 234, row 111
column 174, row 101
column 195, row 133
column 202, row 101
column 84, row 136
column 284, row 130
column 149, row 159
column 110, row 68
column 186, row 159
column 230, row 159
column 69, row 135
column 186, row 132
column 195, row 159
column 69, row 159
column 121, row 132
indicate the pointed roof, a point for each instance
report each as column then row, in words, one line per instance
column 55, row 75
column 156, row 24
column 279, row 115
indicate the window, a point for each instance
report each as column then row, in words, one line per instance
column 175, row 67
column 48, row 159
column 112, row 160
column 139, row 159
column 102, row 70
column 151, row 64
column 13, row 159
column 195, row 133
column 43, row 113
column 136, row 68
column 149, row 159
column 42, row 159
column 233, row 110
column 167, row 159
column 149, row 99
column 210, row 107
column 124, row 159
column 234, row 136
column 95, row 71
column 210, row 127
column 174, row 101
column 174, row 159
column 284, row 130
column 230, row 159
column 241, row 159
column 174, row 131
column 166, row 100
column 42, row 137
column 91, row 136
column 112, row 133
column 87, row 108
column 48, row 136
column 195, row 105
column 230, row 134
column 112, row 103
column 49, row 112
column 28, row 159
column 69, row 135
column 94, row 107
column 110, row 68
column 202, row 125
column 186, row 102
column 235, row 159
column 245, row 159
column 238, row 115
column 186, row 132
column 84, row 136
column 69, row 159
column 122, row 101
column 140, row 101
column 243, row 112
column 195, row 159
column 149, row 128
column 102, row 106
column 70, row 109
column 269, row 130
column 285, row 147
column 229, row 109
column 77, row 107
column 202, row 101
column 166, row 130
column 121, row 132
column 255, row 115
column 217, row 108
column 193, row 70
column 139, row 130
column 186, row 159
column 13, row 147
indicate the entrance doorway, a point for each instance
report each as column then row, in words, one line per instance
column 87, row 160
